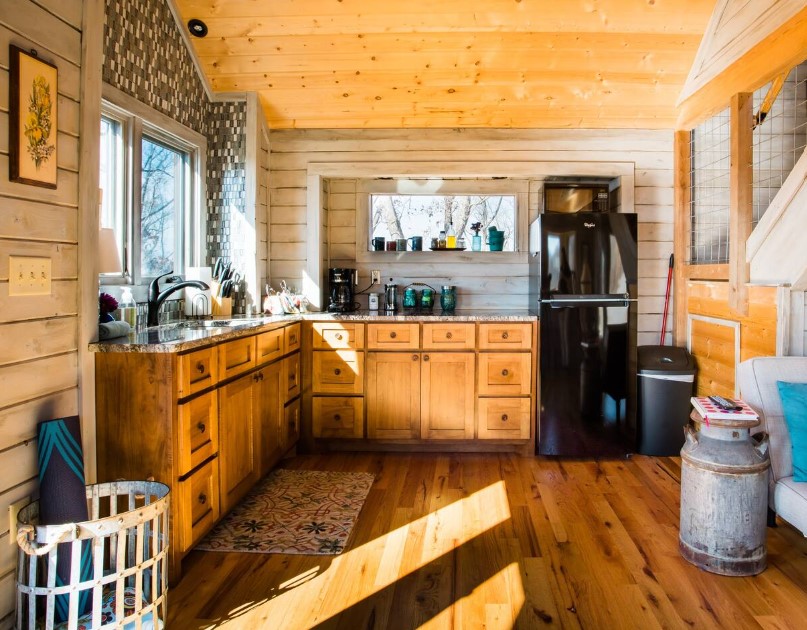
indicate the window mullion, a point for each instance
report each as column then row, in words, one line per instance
column 136, row 186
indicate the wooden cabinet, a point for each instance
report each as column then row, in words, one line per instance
column 447, row 396
column 505, row 374
column 239, row 467
column 207, row 422
column 338, row 417
column 338, row 372
column 449, row 336
column 504, row 418
column 505, row 336
column 337, row 335
column 393, row 336
column 393, row 395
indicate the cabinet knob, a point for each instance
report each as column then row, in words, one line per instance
column 505, row 335
column 504, row 417
column 339, row 336
column 393, row 334
column 449, row 335
column 337, row 417
column 201, row 426
column 505, row 372
column 200, row 367
column 425, row 357
column 337, row 371
column 414, row 357
column 202, row 498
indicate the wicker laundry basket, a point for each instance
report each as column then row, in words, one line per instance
column 126, row 575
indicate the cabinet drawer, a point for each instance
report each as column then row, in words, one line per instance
column 505, row 374
column 338, row 372
column 336, row 335
column 504, row 419
column 393, row 336
column 292, row 338
column 198, row 434
column 505, row 336
column 338, row 417
column 449, row 336
column 198, row 508
column 236, row 357
column 291, row 380
column 270, row 346
column 197, row 371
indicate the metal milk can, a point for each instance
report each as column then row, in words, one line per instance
column 724, row 497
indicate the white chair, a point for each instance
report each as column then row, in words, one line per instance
column 757, row 379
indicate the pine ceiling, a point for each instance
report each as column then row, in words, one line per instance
column 453, row 63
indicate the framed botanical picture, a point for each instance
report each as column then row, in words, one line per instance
column 32, row 119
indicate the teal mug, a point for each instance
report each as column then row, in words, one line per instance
column 496, row 240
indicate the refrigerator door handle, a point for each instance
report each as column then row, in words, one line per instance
column 588, row 301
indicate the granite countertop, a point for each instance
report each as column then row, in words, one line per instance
column 183, row 336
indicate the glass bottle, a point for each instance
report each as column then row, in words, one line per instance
column 448, row 298
column 476, row 243
column 128, row 308
column 441, row 241
column 451, row 236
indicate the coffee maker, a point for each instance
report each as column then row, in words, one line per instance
column 341, row 281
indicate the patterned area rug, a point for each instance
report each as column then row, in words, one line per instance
column 293, row 511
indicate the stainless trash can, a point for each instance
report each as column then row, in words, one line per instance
column 666, row 381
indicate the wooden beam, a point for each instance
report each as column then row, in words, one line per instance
column 741, row 206
column 706, row 272
column 779, row 52
column 681, row 239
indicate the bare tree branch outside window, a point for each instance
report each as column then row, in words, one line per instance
column 161, row 185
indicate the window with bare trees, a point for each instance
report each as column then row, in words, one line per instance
column 151, row 191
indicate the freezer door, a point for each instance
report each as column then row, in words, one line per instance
column 588, row 368
column 588, row 253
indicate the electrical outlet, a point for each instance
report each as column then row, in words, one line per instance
column 375, row 276
column 13, row 510
column 28, row 275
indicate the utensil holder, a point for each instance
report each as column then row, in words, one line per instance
column 222, row 306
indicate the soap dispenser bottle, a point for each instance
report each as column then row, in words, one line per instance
column 128, row 308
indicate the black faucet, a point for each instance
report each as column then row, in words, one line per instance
column 156, row 298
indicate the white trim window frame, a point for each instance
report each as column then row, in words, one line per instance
column 504, row 186
column 138, row 122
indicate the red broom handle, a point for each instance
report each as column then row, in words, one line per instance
column 667, row 300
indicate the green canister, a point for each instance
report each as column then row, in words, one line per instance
column 427, row 298
column 448, row 298
column 410, row 299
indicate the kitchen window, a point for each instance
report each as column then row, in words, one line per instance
column 151, row 192
column 402, row 208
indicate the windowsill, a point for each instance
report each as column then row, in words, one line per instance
column 448, row 257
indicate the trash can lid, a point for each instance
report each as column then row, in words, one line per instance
column 665, row 360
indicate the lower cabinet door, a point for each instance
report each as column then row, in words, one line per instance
column 447, row 407
column 198, row 508
column 338, row 417
column 239, row 465
column 393, row 395
column 269, row 415
column 291, row 425
column 504, row 419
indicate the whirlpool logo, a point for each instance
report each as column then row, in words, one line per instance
column 589, row 225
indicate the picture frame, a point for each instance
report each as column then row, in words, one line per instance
column 33, row 119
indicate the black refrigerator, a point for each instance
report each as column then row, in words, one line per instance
column 583, row 284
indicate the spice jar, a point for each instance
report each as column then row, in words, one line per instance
column 448, row 298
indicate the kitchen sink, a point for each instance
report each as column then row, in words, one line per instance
column 220, row 323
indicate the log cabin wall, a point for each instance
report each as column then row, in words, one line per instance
column 719, row 338
column 39, row 360
column 480, row 285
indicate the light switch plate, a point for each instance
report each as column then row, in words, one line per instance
column 28, row 275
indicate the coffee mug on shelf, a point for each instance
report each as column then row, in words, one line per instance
column 391, row 246
column 416, row 243
column 401, row 244
column 378, row 243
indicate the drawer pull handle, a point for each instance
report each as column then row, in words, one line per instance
column 414, row 357
column 200, row 367
column 293, row 339
column 449, row 335
column 260, row 376
column 201, row 426
column 425, row 357
column 337, row 371
column 393, row 334
column 337, row 417
column 339, row 336
column 202, row 498
column 505, row 372
column 504, row 417
column 505, row 335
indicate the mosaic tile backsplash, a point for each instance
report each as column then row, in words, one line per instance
column 145, row 57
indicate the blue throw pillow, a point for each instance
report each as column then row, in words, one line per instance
column 794, row 405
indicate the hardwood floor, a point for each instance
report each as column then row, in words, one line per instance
column 497, row 541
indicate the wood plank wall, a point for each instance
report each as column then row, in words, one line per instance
column 713, row 342
column 262, row 203
column 651, row 152
column 38, row 363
